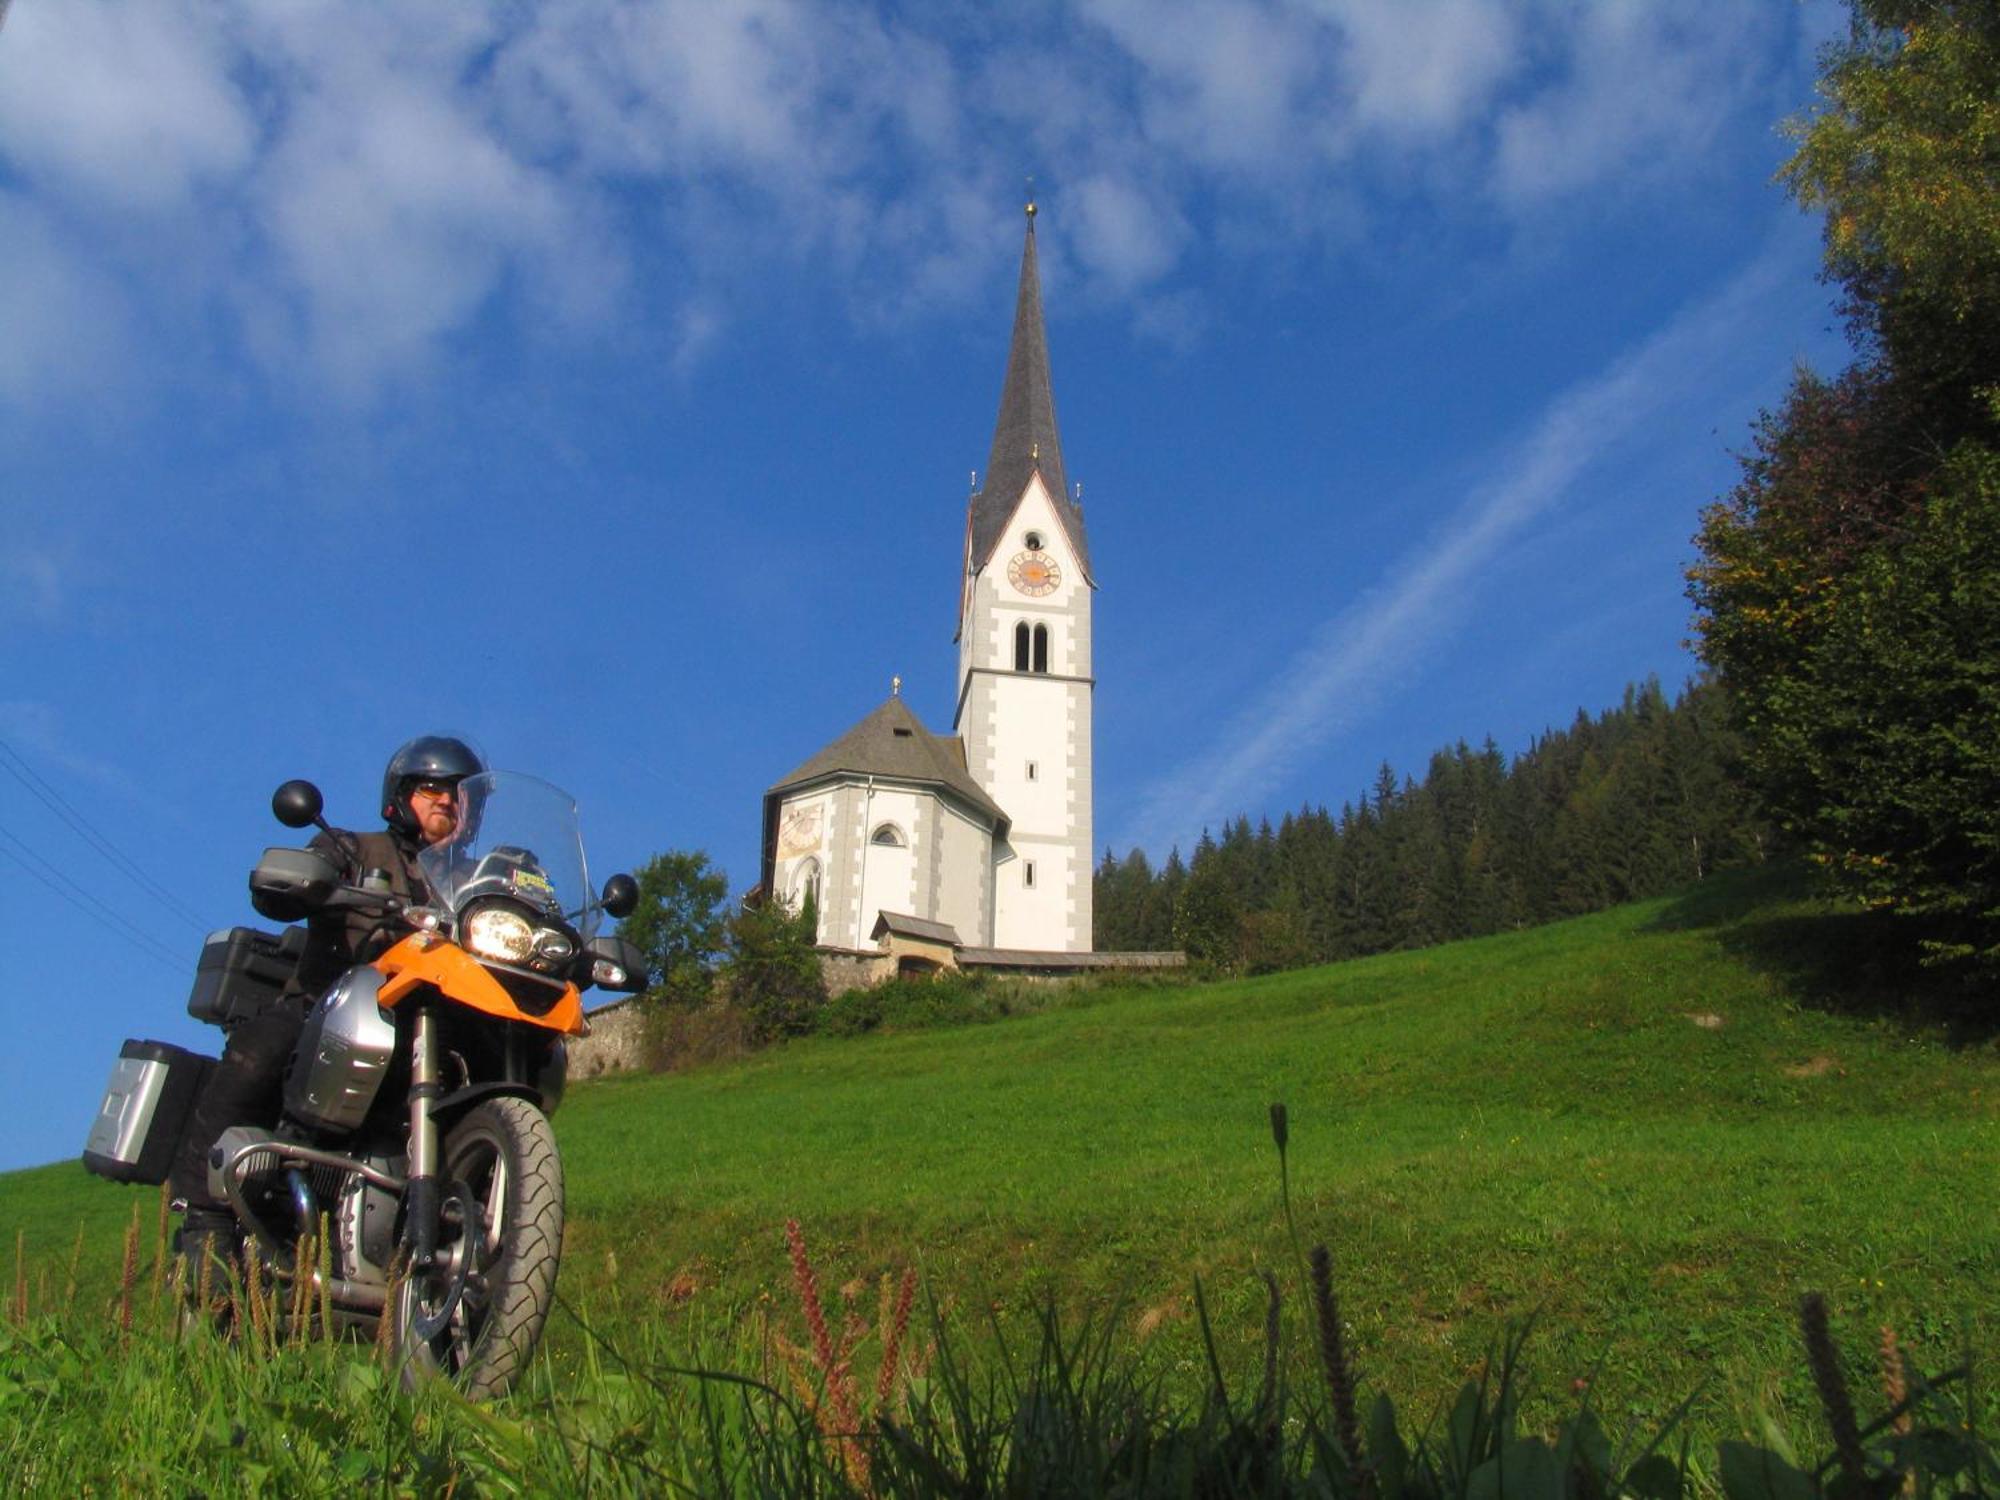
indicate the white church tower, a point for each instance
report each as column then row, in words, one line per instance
column 1024, row 669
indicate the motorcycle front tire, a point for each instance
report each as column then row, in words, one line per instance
column 501, row 1159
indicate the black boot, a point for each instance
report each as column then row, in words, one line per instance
column 207, row 1243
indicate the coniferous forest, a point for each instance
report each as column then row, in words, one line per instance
column 1641, row 799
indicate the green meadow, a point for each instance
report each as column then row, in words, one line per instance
column 1649, row 1131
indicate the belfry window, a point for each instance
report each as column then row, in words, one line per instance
column 1021, row 647
column 1041, row 648
column 887, row 834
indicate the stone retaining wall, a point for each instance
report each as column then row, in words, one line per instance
column 615, row 1043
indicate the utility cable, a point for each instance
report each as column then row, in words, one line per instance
column 78, row 897
column 17, row 766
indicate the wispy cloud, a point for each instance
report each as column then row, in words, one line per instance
column 35, row 730
column 352, row 190
column 1354, row 659
column 62, row 317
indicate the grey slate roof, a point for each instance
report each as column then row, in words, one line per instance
column 1024, row 436
column 891, row 743
column 905, row 925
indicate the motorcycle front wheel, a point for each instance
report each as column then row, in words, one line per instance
column 476, row 1314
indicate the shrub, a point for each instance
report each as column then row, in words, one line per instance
column 772, row 975
column 689, row 1036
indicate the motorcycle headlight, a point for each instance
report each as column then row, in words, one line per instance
column 500, row 934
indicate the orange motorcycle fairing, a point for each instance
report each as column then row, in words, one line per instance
column 424, row 958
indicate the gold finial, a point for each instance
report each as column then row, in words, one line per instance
column 1035, row 452
column 896, row 687
column 1031, row 202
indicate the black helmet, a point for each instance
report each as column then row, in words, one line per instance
column 428, row 757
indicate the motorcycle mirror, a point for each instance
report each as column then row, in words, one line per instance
column 297, row 804
column 621, row 896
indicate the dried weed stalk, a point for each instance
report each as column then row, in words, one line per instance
column 1824, row 1362
column 1333, row 1356
column 823, row 1375
column 128, row 1273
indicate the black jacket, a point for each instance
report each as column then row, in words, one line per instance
column 338, row 940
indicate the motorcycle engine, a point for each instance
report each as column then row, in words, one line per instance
column 364, row 1224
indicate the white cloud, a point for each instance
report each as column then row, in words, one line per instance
column 1416, row 73
column 1359, row 655
column 1124, row 234
column 1223, row 79
column 123, row 106
column 1641, row 89
column 62, row 318
column 357, row 186
column 393, row 215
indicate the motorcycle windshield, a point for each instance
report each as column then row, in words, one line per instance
column 516, row 837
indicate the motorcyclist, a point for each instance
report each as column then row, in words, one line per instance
column 420, row 807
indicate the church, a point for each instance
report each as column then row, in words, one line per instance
column 971, row 849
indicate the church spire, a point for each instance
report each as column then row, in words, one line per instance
column 1025, row 439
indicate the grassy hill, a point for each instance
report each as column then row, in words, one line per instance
column 1655, row 1127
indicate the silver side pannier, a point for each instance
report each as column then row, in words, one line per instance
column 145, row 1112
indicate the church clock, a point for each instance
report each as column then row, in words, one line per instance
column 1034, row 573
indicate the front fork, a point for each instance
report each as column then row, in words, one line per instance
column 423, row 1196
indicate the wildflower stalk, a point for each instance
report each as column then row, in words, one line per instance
column 128, row 1273
column 204, row 1287
column 385, row 1326
column 1281, row 1134
column 897, row 1325
column 1896, row 1390
column 238, row 1313
column 260, row 1307
column 836, row 1373
column 807, row 1283
column 1333, row 1356
column 162, row 1244
column 302, row 1261
column 1824, row 1363
column 324, row 1284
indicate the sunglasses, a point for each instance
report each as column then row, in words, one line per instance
column 436, row 788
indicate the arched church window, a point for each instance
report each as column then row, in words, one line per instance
column 1041, row 648
column 1034, row 541
column 805, row 886
column 887, row 834
column 1021, row 647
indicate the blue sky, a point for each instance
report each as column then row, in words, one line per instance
column 604, row 380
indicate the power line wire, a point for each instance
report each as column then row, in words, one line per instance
column 12, row 761
column 78, row 897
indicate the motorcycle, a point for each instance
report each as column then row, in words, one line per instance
column 415, row 1124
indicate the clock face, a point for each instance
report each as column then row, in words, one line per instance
column 1034, row 573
